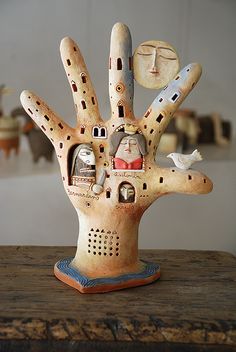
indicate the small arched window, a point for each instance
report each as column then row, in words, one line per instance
column 99, row 132
column 83, row 77
column 103, row 132
column 95, row 132
column 108, row 193
column 83, row 104
column 119, row 64
column 74, row 86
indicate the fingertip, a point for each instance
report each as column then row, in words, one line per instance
column 25, row 94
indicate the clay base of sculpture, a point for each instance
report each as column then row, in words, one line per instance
column 72, row 277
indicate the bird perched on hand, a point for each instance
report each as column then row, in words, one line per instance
column 185, row 161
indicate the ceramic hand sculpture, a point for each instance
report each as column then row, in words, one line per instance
column 108, row 167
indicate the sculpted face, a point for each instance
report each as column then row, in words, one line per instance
column 127, row 193
column 155, row 64
column 87, row 156
column 128, row 149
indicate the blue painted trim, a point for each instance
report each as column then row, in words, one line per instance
column 64, row 267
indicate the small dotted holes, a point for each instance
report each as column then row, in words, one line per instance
column 161, row 179
column 149, row 143
column 173, row 170
column 101, row 246
column 177, row 78
column 61, row 145
column 37, row 102
column 145, row 127
column 188, row 70
column 46, row 117
column 51, row 129
column 68, row 62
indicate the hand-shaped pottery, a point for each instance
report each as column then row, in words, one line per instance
column 116, row 157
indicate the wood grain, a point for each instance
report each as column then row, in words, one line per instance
column 193, row 303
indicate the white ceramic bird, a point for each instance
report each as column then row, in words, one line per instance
column 184, row 161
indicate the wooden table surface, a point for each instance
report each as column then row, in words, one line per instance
column 191, row 308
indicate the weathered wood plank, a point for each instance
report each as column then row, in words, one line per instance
column 193, row 303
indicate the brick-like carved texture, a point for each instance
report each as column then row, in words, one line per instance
column 112, row 251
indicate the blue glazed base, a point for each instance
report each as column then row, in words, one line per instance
column 66, row 273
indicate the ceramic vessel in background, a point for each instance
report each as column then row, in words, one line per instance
column 9, row 135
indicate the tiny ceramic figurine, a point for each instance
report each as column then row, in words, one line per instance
column 184, row 162
column 9, row 129
column 108, row 167
column 40, row 145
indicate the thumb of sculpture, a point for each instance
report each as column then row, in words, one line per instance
column 97, row 189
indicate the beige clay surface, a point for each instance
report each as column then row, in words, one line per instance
column 108, row 232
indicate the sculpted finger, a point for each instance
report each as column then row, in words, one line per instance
column 181, row 181
column 81, row 86
column 120, row 73
column 54, row 127
column 159, row 114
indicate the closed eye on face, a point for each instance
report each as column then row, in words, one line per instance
column 85, row 153
column 162, row 56
column 130, row 141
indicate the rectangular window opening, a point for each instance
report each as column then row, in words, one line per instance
column 83, row 104
column 159, row 118
column 121, row 111
column 119, row 64
column 174, row 97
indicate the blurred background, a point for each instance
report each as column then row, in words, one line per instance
column 34, row 207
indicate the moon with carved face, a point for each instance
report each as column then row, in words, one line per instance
column 155, row 63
